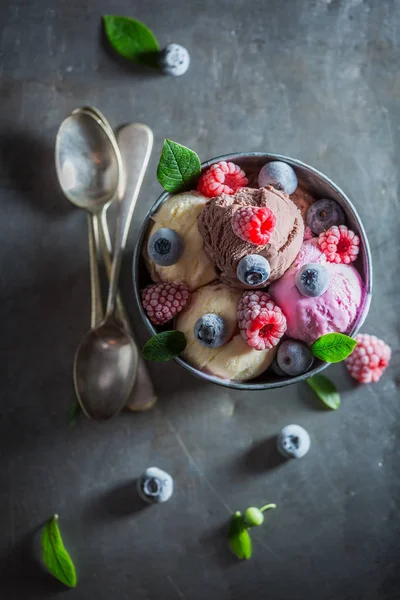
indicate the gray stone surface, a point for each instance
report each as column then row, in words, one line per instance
column 317, row 80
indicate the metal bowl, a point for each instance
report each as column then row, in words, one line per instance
column 319, row 186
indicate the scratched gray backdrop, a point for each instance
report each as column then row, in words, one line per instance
column 317, row 80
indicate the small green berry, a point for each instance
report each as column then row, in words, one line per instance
column 253, row 517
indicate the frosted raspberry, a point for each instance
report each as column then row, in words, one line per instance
column 339, row 244
column 221, row 178
column 369, row 358
column 253, row 224
column 308, row 234
column 261, row 322
column 162, row 301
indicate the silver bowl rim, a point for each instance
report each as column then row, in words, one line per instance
column 283, row 381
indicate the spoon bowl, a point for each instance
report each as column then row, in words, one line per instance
column 86, row 162
column 105, row 369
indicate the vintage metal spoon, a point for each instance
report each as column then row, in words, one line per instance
column 143, row 396
column 106, row 361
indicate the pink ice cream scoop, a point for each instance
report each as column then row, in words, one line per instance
column 334, row 311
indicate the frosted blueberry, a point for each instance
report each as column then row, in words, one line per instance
column 253, row 270
column 312, row 280
column 210, row 330
column 280, row 175
column 165, row 247
column 155, row 486
column 294, row 357
column 174, row 60
column 293, row 441
column 323, row 214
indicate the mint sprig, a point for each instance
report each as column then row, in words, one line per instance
column 55, row 556
column 131, row 39
column 333, row 347
column 238, row 534
column 325, row 390
column 164, row 346
column 178, row 166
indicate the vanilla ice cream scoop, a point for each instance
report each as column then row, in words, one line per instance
column 179, row 213
column 234, row 359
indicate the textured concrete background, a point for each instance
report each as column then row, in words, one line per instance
column 317, row 80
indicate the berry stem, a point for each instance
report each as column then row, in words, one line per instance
column 267, row 507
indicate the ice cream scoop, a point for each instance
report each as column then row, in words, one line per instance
column 179, row 213
column 225, row 249
column 333, row 311
column 234, row 359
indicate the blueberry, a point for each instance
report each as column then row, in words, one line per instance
column 293, row 442
column 276, row 369
column 253, row 270
column 312, row 280
column 323, row 214
column 174, row 60
column 211, row 331
column 165, row 247
column 280, row 175
column 155, row 486
column 294, row 357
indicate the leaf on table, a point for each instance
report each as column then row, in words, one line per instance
column 178, row 166
column 55, row 556
column 325, row 390
column 132, row 39
column 333, row 347
column 73, row 413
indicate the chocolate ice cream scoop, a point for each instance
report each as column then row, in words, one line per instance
column 225, row 249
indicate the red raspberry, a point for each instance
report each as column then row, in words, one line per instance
column 253, row 224
column 369, row 358
column 162, row 301
column 261, row 322
column 339, row 244
column 221, row 178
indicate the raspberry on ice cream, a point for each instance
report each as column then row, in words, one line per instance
column 261, row 321
column 162, row 301
column 253, row 224
column 339, row 244
column 221, row 178
column 369, row 358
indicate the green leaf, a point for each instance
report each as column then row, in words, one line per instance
column 55, row 556
column 325, row 390
column 333, row 347
column 73, row 413
column 164, row 346
column 239, row 538
column 178, row 166
column 131, row 39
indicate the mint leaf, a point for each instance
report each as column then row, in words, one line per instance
column 55, row 556
column 73, row 413
column 131, row 39
column 164, row 346
column 333, row 347
column 239, row 538
column 178, row 166
column 325, row 390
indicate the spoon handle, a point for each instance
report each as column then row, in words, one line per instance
column 143, row 396
column 137, row 140
column 96, row 304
